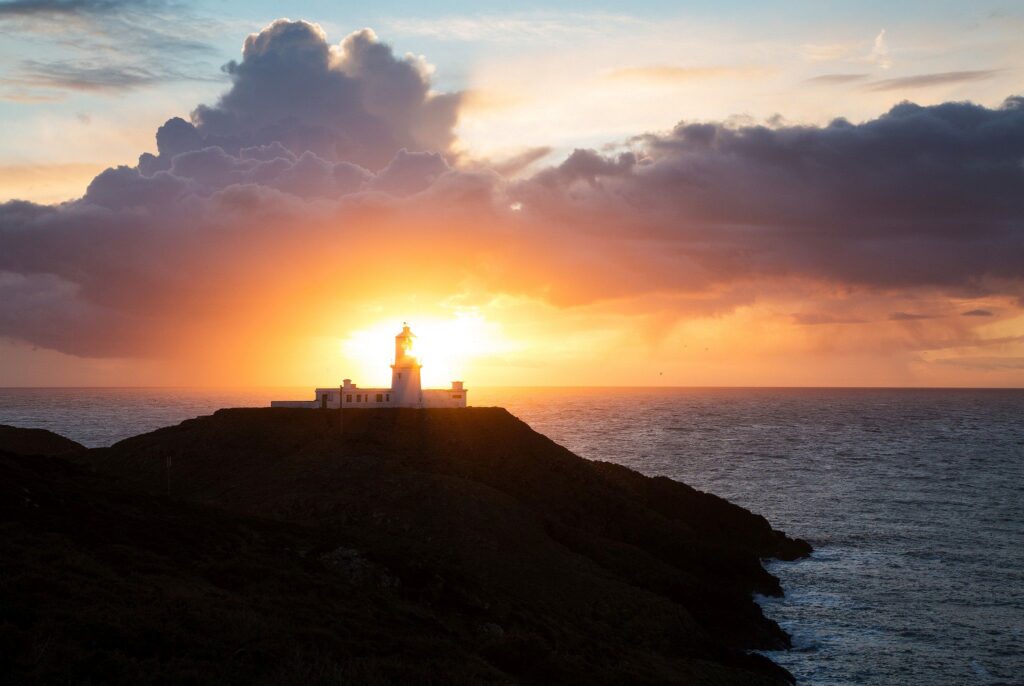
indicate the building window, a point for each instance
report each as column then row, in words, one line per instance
column 359, row 398
column 380, row 397
column 348, row 397
column 399, row 375
column 456, row 395
column 388, row 397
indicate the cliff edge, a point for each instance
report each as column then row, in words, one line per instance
column 408, row 546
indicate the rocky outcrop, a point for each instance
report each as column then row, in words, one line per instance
column 408, row 546
column 35, row 442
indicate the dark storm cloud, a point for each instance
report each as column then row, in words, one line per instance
column 919, row 197
column 927, row 80
column 978, row 313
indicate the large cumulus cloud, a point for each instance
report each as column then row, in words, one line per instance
column 355, row 101
column 305, row 164
column 325, row 172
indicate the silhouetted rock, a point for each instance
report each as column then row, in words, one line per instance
column 35, row 442
column 415, row 546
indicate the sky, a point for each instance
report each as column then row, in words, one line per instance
column 644, row 193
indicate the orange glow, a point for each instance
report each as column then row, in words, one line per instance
column 496, row 302
column 45, row 183
column 568, row 210
column 448, row 348
column 287, row 339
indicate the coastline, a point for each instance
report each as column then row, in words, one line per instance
column 486, row 503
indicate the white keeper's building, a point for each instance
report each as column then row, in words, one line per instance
column 405, row 388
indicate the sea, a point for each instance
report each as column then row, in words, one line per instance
column 912, row 499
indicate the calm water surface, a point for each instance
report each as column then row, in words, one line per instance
column 914, row 501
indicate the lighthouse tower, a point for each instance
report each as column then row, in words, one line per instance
column 405, row 390
column 405, row 372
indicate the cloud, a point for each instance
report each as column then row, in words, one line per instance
column 311, row 153
column 326, row 174
column 921, row 197
column 880, row 51
column 31, row 8
column 514, row 164
column 835, row 79
column 85, row 76
column 929, row 80
column 29, row 96
column 978, row 313
column 815, row 318
column 985, row 363
column 877, row 53
column 104, row 46
column 355, row 101
column 41, row 308
column 908, row 316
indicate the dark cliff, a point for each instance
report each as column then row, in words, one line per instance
column 415, row 546
column 35, row 442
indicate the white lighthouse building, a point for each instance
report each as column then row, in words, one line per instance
column 405, row 391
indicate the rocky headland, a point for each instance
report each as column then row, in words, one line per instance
column 407, row 546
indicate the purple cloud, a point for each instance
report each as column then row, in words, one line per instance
column 322, row 155
column 921, row 197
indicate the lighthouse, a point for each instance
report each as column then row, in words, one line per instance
column 405, row 372
column 405, row 391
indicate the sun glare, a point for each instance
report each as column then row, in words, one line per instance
column 446, row 348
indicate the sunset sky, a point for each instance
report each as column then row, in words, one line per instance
column 647, row 193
